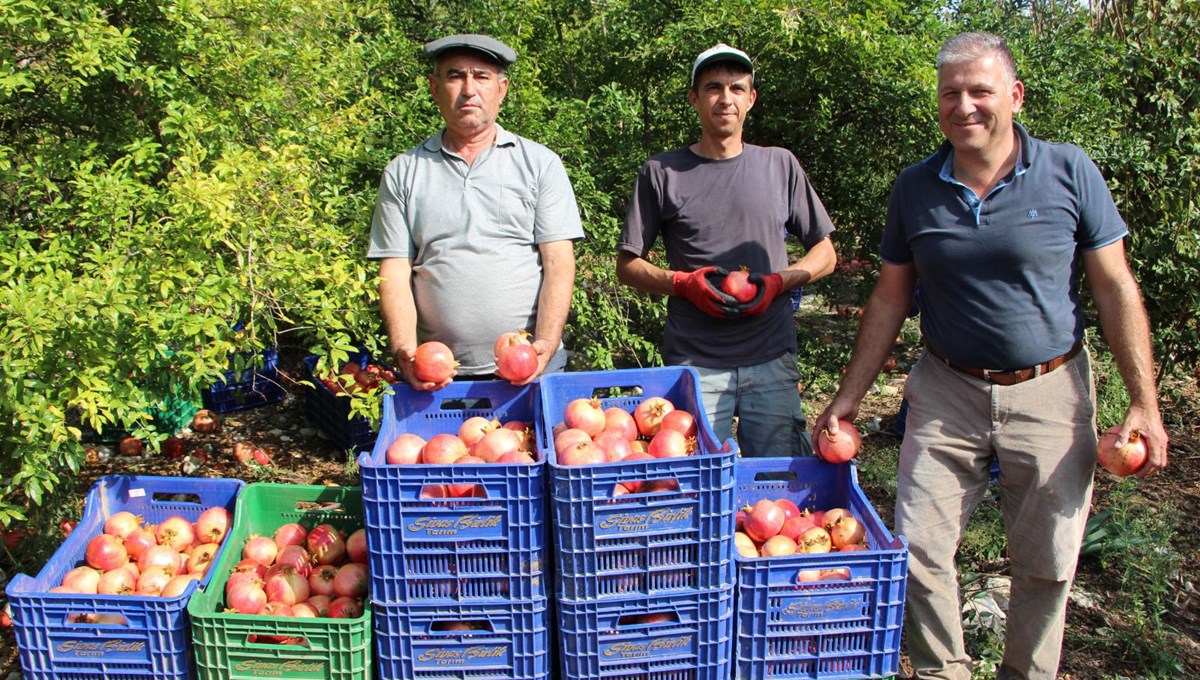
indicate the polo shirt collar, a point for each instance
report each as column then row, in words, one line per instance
column 503, row 138
column 1024, row 156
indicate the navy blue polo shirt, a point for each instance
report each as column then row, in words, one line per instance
column 1000, row 274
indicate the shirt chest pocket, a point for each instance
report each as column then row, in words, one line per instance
column 517, row 207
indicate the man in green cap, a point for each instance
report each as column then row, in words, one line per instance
column 474, row 227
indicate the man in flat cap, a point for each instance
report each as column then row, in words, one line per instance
column 721, row 205
column 474, row 227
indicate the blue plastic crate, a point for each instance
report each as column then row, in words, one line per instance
column 331, row 412
column 507, row 641
column 606, row 639
column 153, row 639
column 460, row 550
column 615, row 546
column 796, row 629
column 248, row 389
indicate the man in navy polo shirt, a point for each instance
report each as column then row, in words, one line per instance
column 998, row 226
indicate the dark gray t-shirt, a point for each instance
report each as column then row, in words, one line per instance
column 731, row 213
column 1000, row 276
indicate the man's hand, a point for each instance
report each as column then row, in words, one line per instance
column 404, row 363
column 700, row 288
column 769, row 288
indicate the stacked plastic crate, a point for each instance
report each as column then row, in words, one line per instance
column 256, row 384
column 819, row 616
column 643, row 581
column 458, row 584
column 330, row 411
column 74, row 636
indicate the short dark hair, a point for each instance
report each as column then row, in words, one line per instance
column 972, row 46
column 731, row 64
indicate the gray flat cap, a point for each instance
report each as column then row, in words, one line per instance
column 480, row 43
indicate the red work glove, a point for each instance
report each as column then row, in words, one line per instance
column 769, row 288
column 700, row 288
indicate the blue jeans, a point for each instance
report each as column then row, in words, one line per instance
column 766, row 400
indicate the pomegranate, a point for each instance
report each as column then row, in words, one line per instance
column 205, row 421
column 247, row 566
column 670, row 444
column 261, row 549
column 172, row 447
column 619, row 420
column 443, row 449
column 245, row 598
column 520, row 457
column 119, row 581
column 464, row 490
column 1124, row 460
column 615, row 446
column 745, row 545
column 82, row 580
column 839, row 447
column 212, row 525
column 176, row 586
column 495, row 444
column 517, row 363
column 473, row 429
column 738, row 285
column 763, row 520
column 121, row 524
column 847, row 531
column 296, row 557
column 305, row 610
column 511, row 339
column 326, row 545
column 152, row 580
column 583, row 453
column 161, row 556
column 405, row 450
column 321, row 604
column 131, row 446
column 789, row 508
column 649, row 414
column 287, row 586
column 320, row 581
column 778, row 546
column 290, row 533
column 105, row 552
column 831, row 517
column 351, row 580
column 585, row 414
column 138, row 540
column 175, row 532
column 202, row 558
column 434, row 362
column 528, row 441
column 275, row 609
column 681, row 421
column 356, row 546
column 794, row 527
column 570, row 437
column 261, row 457
column 345, row 608
column 815, row 540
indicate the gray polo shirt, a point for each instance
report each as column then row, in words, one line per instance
column 472, row 233
column 1000, row 273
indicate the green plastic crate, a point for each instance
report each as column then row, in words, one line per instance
column 327, row 649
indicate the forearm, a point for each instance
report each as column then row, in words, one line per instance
column 554, row 299
column 1126, row 328
column 637, row 272
column 814, row 265
column 397, row 306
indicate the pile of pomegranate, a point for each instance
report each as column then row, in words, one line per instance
column 775, row 528
column 590, row 434
column 131, row 557
column 352, row 378
column 299, row 573
column 479, row 441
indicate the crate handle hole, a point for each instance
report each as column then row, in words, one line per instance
column 466, row 626
column 452, row 491
column 663, row 485
column 812, row 576
column 277, row 640
column 618, row 392
column 93, row 619
column 166, row 497
column 467, row 404
column 650, row 619
column 776, row 476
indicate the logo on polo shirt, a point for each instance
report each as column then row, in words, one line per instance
column 1031, row 214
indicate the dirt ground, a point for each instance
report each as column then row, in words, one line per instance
column 301, row 455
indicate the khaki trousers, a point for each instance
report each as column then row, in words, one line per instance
column 1043, row 433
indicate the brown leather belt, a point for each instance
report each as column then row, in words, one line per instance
column 1012, row 376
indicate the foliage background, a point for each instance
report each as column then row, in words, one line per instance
column 183, row 179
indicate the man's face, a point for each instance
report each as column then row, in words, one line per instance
column 722, row 98
column 976, row 103
column 468, row 89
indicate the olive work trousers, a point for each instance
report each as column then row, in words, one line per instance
column 1043, row 434
column 766, row 401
